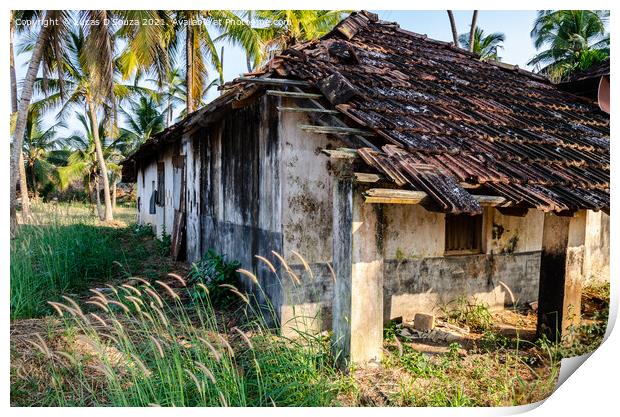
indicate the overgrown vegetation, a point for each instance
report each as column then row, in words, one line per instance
column 217, row 275
column 472, row 314
column 140, row 345
column 144, row 337
column 63, row 250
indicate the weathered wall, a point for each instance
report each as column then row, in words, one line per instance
column 240, row 189
column 419, row 278
column 306, row 218
column 163, row 218
column 596, row 259
column 190, row 148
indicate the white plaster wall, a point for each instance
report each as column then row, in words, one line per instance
column 527, row 230
column 147, row 182
column 596, row 260
column 306, row 190
column 412, row 232
column 163, row 219
column 419, row 278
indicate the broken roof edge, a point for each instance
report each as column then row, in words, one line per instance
column 186, row 124
column 372, row 17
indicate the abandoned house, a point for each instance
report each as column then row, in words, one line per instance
column 418, row 172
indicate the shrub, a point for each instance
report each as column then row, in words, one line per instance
column 216, row 273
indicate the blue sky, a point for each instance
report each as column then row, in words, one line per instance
column 516, row 25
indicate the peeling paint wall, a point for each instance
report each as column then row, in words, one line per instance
column 307, row 218
column 190, row 147
column 419, row 278
column 240, row 189
column 596, row 259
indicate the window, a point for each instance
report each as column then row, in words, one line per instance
column 152, row 199
column 463, row 234
column 161, row 184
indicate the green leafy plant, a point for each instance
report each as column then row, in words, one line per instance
column 216, row 273
column 474, row 315
column 165, row 242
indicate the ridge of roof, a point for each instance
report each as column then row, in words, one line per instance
column 352, row 24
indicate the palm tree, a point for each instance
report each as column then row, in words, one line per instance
column 173, row 93
column 49, row 37
column 41, row 146
column 83, row 162
column 90, row 83
column 287, row 27
column 573, row 40
column 23, row 183
column 486, row 46
column 143, row 120
column 472, row 30
column 455, row 36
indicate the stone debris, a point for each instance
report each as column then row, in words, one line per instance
column 424, row 322
column 441, row 332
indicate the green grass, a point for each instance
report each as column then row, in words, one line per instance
column 155, row 345
column 64, row 249
column 147, row 344
column 473, row 314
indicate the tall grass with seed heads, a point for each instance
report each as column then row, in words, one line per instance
column 156, row 344
column 61, row 249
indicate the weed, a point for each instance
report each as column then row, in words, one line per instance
column 474, row 315
column 217, row 274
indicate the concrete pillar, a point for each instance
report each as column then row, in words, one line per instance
column 561, row 274
column 357, row 319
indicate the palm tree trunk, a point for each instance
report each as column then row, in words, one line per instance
column 23, row 187
column 114, row 194
column 33, row 178
column 98, row 199
column 22, row 113
column 23, row 183
column 189, row 68
column 103, row 170
column 455, row 34
column 472, row 30
column 222, row 68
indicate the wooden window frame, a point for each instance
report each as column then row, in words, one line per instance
column 452, row 222
column 160, row 198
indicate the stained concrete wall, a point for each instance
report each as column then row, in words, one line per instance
column 596, row 258
column 419, row 278
column 163, row 218
column 239, row 191
column 307, row 183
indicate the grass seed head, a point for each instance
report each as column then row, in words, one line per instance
column 119, row 304
column 178, row 278
column 155, row 296
column 133, row 289
column 244, row 337
column 248, row 274
column 169, row 290
column 266, row 262
column 216, row 355
column 206, row 371
column 98, row 304
column 158, row 345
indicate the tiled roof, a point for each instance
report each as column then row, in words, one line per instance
column 432, row 105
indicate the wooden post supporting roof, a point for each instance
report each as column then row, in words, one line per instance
column 357, row 315
column 559, row 298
